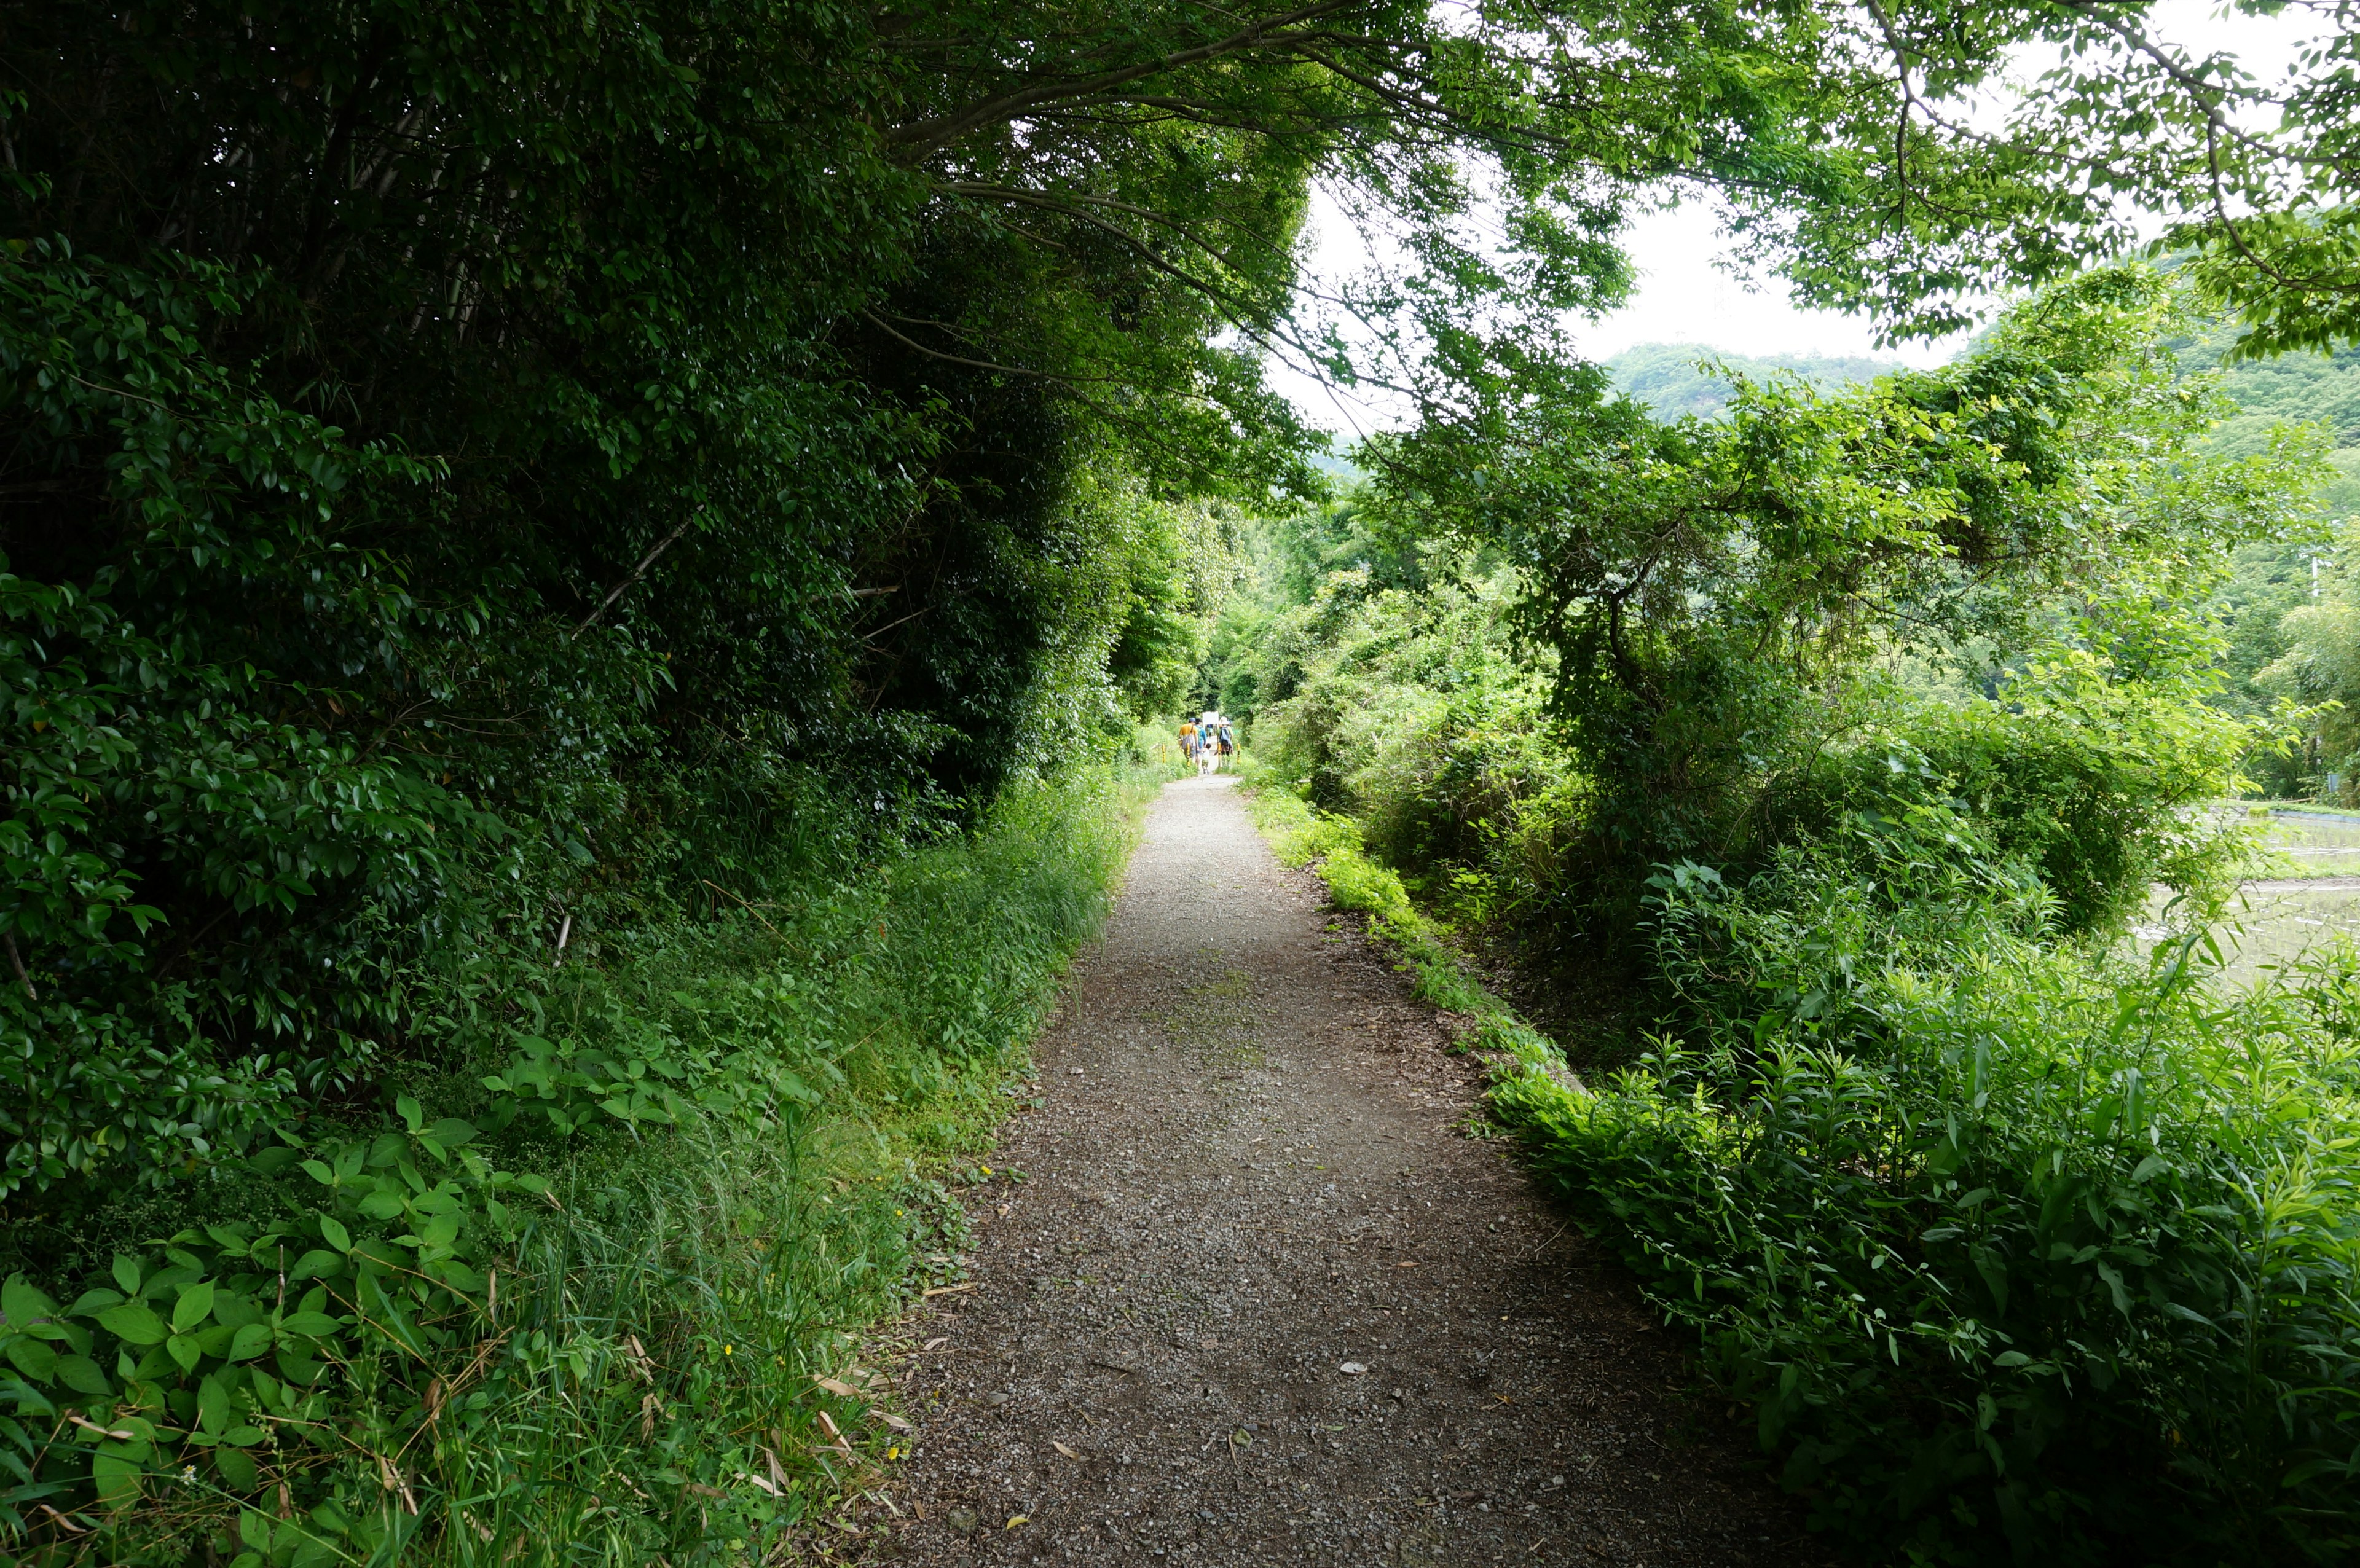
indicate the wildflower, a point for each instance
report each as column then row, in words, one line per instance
column 986, row 1170
column 188, row 1473
column 728, row 1350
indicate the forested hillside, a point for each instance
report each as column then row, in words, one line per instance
column 577, row 583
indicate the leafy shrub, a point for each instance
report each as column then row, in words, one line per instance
column 2019, row 1249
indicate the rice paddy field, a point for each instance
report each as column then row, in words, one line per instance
column 2309, row 892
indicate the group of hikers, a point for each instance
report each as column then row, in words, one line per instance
column 1208, row 741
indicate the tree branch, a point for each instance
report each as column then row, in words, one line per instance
column 619, row 588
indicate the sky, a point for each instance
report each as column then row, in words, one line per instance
column 1685, row 297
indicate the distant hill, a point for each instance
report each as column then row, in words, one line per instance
column 1665, row 376
column 2291, row 387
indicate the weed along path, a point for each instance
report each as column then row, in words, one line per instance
column 1257, row 1298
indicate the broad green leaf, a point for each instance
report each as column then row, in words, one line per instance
column 213, row 1405
column 80, row 1374
column 134, row 1321
column 195, row 1305
column 116, row 1479
column 33, row 1358
column 22, row 1303
column 238, row 1471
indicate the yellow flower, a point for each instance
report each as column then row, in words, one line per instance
column 987, row 1171
column 729, row 1349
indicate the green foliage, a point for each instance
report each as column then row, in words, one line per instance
column 1846, row 736
column 1721, row 596
column 2019, row 1250
column 740, row 1127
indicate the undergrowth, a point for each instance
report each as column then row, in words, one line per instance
column 575, row 1296
column 2020, row 1248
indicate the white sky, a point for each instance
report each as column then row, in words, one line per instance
column 1684, row 296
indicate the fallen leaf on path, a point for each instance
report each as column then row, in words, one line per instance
column 1350, row 1369
column 948, row 1289
column 890, row 1419
column 1064, row 1450
column 933, row 1344
column 1405, row 1265
column 841, row 1391
column 1020, row 1519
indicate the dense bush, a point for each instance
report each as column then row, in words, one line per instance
column 2020, row 1250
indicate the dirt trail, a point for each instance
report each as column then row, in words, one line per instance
column 1258, row 1300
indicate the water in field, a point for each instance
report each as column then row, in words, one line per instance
column 2310, row 892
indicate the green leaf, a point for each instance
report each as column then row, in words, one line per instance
column 239, row 1473
column 23, row 1303
column 126, row 1274
column 33, row 1358
column 27, row 1400
column 133, row 1323
column 213, row 1407
column 319, row 1262
column 451, row 1132
column 195, row 1305
column 250, row 1341
column 80, row 1374
column 311, row 1326
column 185, row 1350
column 254, row 1531
column 332, row 1231
column 116, row 1478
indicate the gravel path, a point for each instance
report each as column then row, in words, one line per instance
column 1259, row 1299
